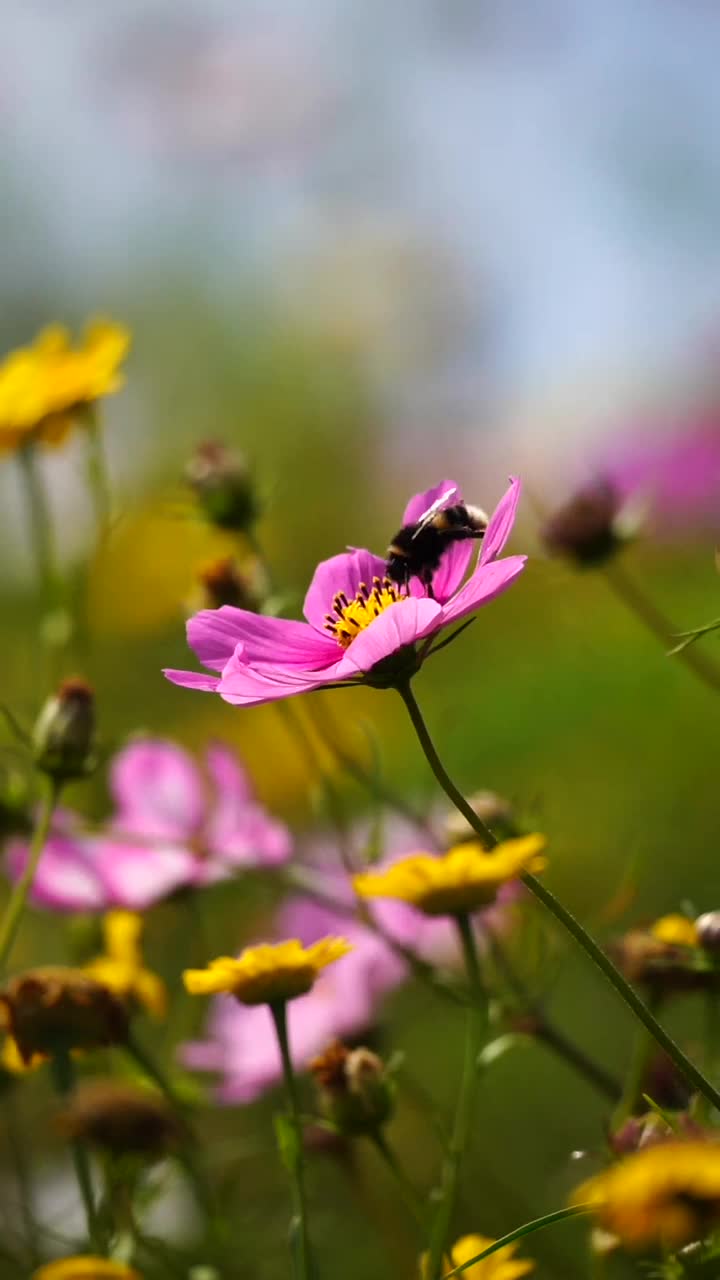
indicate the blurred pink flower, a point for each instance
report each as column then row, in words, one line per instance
column 356, row 619
column 175, row 824
column 674, row 474
column 241, row 1045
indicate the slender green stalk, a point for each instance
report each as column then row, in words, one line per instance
column 634, row 598
column 408, row 1192
column 155, row 1073
column 40, row 525
column 63, row 1074
column 571, row 1053
column 537, row 1224
column 372, row 782
column 187, row 1153
column 637, row 1070
column 462, row 1126
column 12, row 917
column 564, row 917
column 294, row 1160
column 551, row 1035
column 17, row 1147
column 97, row 474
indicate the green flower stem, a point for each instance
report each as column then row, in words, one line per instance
column 294, row 1159
column 150, row 1068
column 551, row 1035
column 97, row 474
column 634, row 598
column 408, row 1192
column 187, row 1152
column 63, row 1074
column 537, row 1224
column 40, row 526
column 462, row 1126
column 371, row 781
column 20, row 1162
column 637, row 1070
column 564, row 917
column 571, row 1053
column 12, row 917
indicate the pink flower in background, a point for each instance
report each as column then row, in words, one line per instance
column 175, row 824
column 356, row 618
column 241, row 1045
column 677, row 473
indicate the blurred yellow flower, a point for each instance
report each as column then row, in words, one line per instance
column 499, row 1266
column 156, row 551
column 667, row 1194
column 45, row 386
column 121, row 968
column 676, row 931
column 85, row 1267
column 268, row 973
column 463, row 879
column 12, row 1061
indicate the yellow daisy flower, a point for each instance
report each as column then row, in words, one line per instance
column 267, row 974
column 501, row 1265
column 45, row 387
column 665, row 1195
column 676, row 931
column 461, row 880
column 86, row 1267
column 121, row 968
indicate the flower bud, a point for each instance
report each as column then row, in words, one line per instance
column 223, row 486
column 708, row 930
column 586, row 528
column 355, row 1091
column 222, row 583
column 496, row 812
column 56, row 1009
column 121, row 1119
column 64, row 734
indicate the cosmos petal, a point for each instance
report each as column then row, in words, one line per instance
column 157, row 789
column 192, row 680
column 501, row 523
column 340, row 573
column 214, row 634
column 418, row 505
column 136, row 876
column 487, row 582
column 401, row 624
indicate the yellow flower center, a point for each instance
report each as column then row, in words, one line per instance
column 350, row 617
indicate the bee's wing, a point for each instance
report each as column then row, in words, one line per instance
column 432, row 510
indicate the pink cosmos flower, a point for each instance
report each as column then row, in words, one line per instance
column 675, row 474
column 241, row 1045
column 175, row 824
column 359, row 628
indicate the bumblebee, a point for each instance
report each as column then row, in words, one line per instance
column 416, row 549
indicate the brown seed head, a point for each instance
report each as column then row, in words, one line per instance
column 222, row 583
column 121, row 1118
column 585, row 529
column 56, row 1009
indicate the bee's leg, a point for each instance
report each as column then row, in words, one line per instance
column 426, row 579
